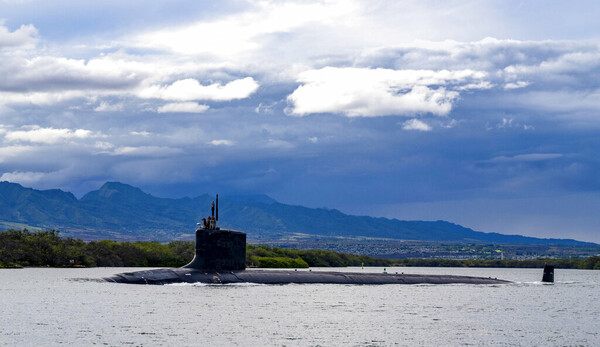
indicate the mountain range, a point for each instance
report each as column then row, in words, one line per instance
column 122, row 212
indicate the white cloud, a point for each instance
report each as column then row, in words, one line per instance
column 186, row 107
column 106, row 107
column 140, row 133
column 235, row 35
column 479, row 85
column 47, row 80
column 191, row 89
column 378, row 92
column 516, row 85
column 222, row 143
column 147, row 151
column 26, row 178
column 567, row 58
column 13, row 151
column 449, row 124
column 41, row 98
column 103, row 145
column 506, row 123
column 266, row 109
column 24, row 36
column 46, row 135
column 415, row 124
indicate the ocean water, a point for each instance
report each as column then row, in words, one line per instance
column 70, row 307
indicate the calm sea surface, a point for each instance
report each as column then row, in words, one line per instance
column 63, row 306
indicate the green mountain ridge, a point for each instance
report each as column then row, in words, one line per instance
column 122, row 212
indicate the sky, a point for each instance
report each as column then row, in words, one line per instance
column 482, row 113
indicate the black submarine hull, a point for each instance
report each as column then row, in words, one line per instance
column 186, row 275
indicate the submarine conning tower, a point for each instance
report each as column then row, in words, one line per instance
column 216, row 248
column 548, row 273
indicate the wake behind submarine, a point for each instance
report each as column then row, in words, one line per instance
column 221, row 259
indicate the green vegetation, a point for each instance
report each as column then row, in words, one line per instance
column 589, row 263
column 311, row 257
column 47, row 248
column 279, row 262
column 20, row 248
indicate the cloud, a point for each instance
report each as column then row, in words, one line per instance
column 516, row 85
column 236, row 35
column 47, row 80
column 185, row 107
column 103, row 146
column 364, row 92
column 473, row 86
column 222, row 143
column 191, row 89
column 46, row 135
column 147, row 151
column 265, row 108
column 106, row 107
column 7, row 152
column 41, row 98
column 51, row 179
column 559, row 76
column 140, row 133
column 568, row 101
column 415, row 124
column 506, row 57
column 43, row 73
column 531, row 157
column 506, row 123
column 26, row 35
column 567, row 58
column 302, row 46
column 26, row 178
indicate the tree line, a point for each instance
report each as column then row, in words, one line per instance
column 47, row 248
column 20, row 248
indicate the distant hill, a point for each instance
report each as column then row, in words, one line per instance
column 122, row 212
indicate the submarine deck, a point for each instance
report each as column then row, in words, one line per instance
column 185, row 275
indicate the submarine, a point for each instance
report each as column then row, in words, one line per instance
column 220, row 258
